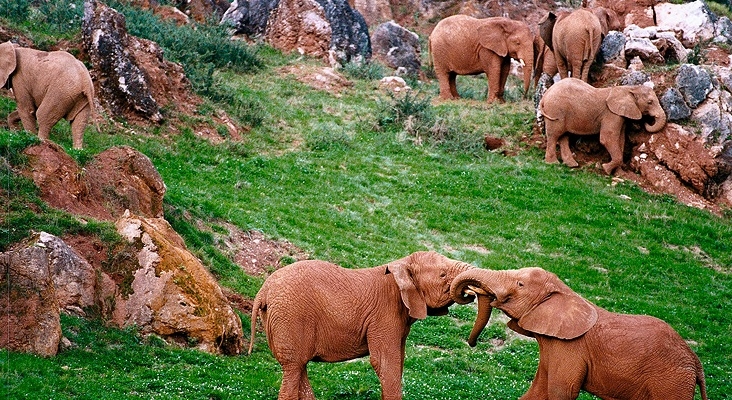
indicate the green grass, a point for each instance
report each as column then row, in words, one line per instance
column 346, row 179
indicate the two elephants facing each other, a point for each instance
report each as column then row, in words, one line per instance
column 47, row 86
column 463, row 45
column 574, row 106
column 317, row 311
column 582, row 346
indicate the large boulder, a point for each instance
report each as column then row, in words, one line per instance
column 132, row 78
column 30, row 310
column 397, row 47
column 117, row 179
column 249, row 17
column 171, row 293
column 328, row 29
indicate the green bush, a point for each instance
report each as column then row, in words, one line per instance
column 15, row 10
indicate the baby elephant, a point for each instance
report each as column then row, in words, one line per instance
column 582, row 346
column 47, row 86
column 573, row 106
column 315, row 310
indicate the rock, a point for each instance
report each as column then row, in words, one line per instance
column 249, row 17
column 397, row 47
column 723, row 30
column 60, row 181
column 612, row 49
column 634, row 78
column 694, row 83
column 694, row 21
column 686, row 156
column 117, row 179
column 122, row 178
column 716, row 125
column 673, row 104
column 74, row 278
column 670, row 47
column 643, row 47
column 203, row 10
column 394, row 84
column 376, row 11
column 122, row 84
column 31, row 318
column 329, row 29
column 171, row 293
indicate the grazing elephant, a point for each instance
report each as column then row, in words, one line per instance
column 315, row 310
column 575, row 38
column 463, row 45
column 574, row 106
column 582, row 346
column 47, row 86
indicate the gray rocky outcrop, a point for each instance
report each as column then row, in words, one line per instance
column 328, row 29
column 397, row 47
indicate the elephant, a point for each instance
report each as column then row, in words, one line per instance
column 463, row 45
column 575, row 38
column 47, row 86
column 574, row 106
column 314, row 310
column 582, row 346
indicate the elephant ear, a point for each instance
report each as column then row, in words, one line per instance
column 546, row 29
column 493, row 37
column 7, row 61
column 563, row 315
column 621, row 101
column 411, row 297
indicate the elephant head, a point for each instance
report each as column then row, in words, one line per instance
column 537, row 302
column 637, row 101
column 424, row 279
column 8, row 62
column 506, row 37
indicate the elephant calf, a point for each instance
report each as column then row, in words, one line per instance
column 574, row 106
column 47, row 86
column 315, row 310
column 582, row 346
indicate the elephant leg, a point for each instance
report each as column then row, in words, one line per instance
column 553, row 132
column 505, row 70
column 539, row 386
column 305, row 391
column 292, row 376
column 446, row 81
column 452, row 78
column 48, row 115
column 614, row 142
column 567, row 156
column 561, row 66
column 388, row 363
column 491, row 64
column 77, row 127
column 28, row 120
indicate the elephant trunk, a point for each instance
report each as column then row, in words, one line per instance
column 529, row 68
column 660, row 120
column 464, row 289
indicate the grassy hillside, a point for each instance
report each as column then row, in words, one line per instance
column 361, row 178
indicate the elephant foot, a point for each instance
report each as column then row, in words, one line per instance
column 551, row 160
column 571, row 163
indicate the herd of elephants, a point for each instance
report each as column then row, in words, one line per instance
column 317, row 311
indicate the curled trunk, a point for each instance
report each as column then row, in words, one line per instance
column 463, row 294
column 660, row 120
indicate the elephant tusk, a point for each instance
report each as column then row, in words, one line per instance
column 477, row 290
column 521, row 62
column 469, row 292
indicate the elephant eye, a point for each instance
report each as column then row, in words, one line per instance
column 520, row 284
column 443, row 274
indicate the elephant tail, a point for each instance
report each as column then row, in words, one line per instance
column 259, row 302
column 700, row 379
column 543, row 112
